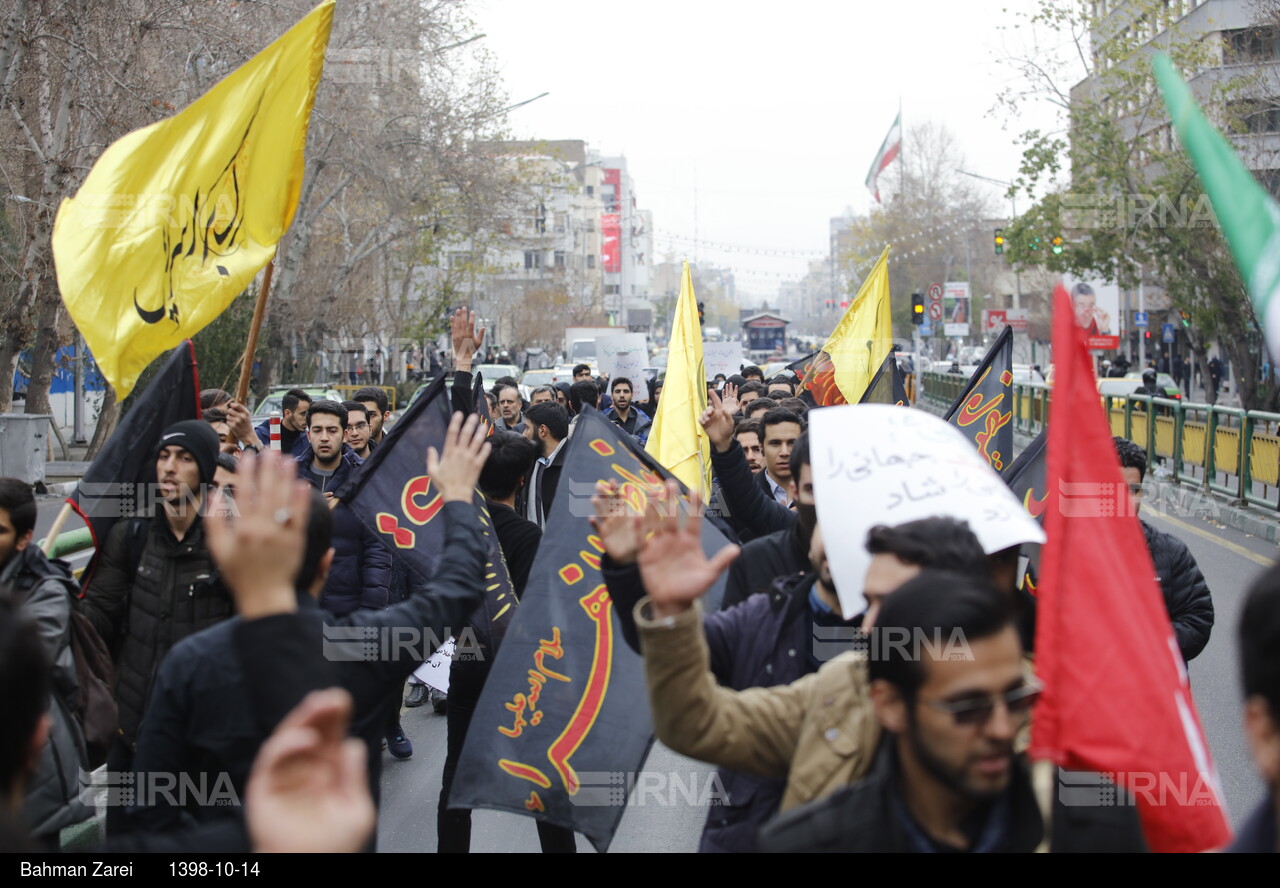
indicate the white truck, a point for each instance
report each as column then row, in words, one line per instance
column 580, row 344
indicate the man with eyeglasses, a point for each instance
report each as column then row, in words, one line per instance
column 949, row 701
column 1186, row 594
column 358, row 429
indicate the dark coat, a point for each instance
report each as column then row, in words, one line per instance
column 201, row 720
column 43, row 598
column 780, row 554
column 175, row 593
column 762, row 642
column 637, row 426
column 548, row 482
column 862, row 818
column 361, row 572
column 1186, row 594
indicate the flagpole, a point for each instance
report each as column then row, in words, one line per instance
column 1042, row 772
column 246, row 367
column 56, row 529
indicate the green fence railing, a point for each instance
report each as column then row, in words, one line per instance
column 1227, row 450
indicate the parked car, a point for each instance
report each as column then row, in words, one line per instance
column 1163, row 380
column 272, row 403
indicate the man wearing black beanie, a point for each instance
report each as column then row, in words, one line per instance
column 155, row 581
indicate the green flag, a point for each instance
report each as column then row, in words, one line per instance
column 1250, row 218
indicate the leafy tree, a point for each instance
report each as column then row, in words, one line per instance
column 1117, row 186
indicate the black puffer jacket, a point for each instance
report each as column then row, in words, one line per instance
column 1186, row 594
column 176, row 593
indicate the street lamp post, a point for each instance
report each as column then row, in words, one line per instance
column 1017, row 276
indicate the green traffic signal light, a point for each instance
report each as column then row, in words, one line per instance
column 999, row 241
column 1186, row 318
column 1057, row 245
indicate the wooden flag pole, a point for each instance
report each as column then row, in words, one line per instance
column 246, row 367
column 56, row 529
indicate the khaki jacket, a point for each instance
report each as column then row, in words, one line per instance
column 819, row 733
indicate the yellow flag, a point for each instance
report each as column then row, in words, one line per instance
column 677, row 439
column 175, row 219
column 842, row 370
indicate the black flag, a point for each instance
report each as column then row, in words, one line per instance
column 563, row 723
column 888, row 385
column 984, row 410
column 120, row 481
column 392, row 494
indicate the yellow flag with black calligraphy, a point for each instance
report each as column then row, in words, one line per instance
column 175, row 219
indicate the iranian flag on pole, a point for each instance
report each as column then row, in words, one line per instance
column 888, row 151
column 1249, row 217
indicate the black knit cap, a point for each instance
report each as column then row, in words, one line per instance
column 199, row 439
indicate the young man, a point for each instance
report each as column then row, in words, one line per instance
column 779, row 430
column 293, row 423
column 41, row 594
column 781, row 387
column 361, row 571
column 201, row 723
column 945, row 775
column 582, row 372
column 378, row 407
column 1186, row 594
column 549, row 424
column 359, row 429
column 155, row 582
column 748, row 392
column 747, row 434
column 634, row 421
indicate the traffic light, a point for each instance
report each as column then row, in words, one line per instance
column 701, row 321
column 1057, row 245
column 999, row 243
column 917, row 308
column 1186, row 318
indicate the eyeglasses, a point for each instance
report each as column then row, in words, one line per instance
column 360, row 427
column 978, row 710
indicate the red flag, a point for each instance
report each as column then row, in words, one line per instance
column 1116, row 697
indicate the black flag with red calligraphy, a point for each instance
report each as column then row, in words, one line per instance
column 984, row 410
column 392, row 494
column 888, row 385
column 563, row 726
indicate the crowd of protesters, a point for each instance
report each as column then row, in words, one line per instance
column 212, row 606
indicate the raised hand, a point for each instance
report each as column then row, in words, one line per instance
column 729, row 398
column 241, row 424
column 466, row 339
column 718, row 422
column 620, row 527
column 257, row 540
column 309, row 787
column 673, row 567
column 456, row 472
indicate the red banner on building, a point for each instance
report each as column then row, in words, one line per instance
column 611, row 242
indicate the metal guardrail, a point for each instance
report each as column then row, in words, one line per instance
column 1227, row 450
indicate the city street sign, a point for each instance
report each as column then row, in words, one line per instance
column 1166, row 332
column 935, row 292
column 1139, row 319
column 935, row 311
column 926, row 329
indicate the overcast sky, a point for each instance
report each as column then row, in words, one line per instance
column 774, row 110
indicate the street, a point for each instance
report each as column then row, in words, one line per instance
column 1229, row 559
